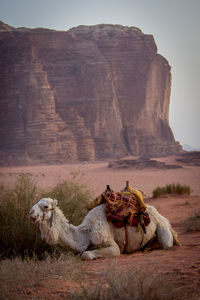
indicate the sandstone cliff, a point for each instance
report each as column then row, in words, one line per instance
column 90, row 93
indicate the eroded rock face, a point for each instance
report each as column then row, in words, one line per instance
column 90, row 93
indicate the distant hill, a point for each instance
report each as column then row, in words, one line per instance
column 189, row 148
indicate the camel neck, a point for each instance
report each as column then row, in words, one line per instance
column 74, row 238
column 67, row 235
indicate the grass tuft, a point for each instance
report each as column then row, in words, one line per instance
column 133, row 284
column 172, row 189
column 17, row 235
column 28, row 279
column 19, row 279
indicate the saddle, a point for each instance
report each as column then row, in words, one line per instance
column 124, row 208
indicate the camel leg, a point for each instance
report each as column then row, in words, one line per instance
column 109, row 251
column 164, row 235
column 175, row 237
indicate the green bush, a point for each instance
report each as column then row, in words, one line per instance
column 171, row 189
column 18, row 235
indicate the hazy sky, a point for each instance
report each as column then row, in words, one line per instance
column 175, row 25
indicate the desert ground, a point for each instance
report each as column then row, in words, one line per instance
column 183, row 261
column 96, row 175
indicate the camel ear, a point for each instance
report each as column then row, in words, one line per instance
column 55, row 202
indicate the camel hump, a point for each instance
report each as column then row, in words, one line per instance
column 97, row 201
column 125, row 207
column 127, row 191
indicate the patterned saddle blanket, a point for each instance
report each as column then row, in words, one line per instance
column 123, row 208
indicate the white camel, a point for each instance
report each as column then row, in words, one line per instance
column 95, row 237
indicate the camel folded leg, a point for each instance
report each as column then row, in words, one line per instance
column 175, row 237
column 109, row 251
column 164, row 235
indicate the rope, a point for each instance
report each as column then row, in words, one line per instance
column 52, row 213
column 126, row 240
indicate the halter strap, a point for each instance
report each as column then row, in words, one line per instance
column 126, row 240
column 52, row 213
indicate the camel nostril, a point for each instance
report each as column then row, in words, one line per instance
column 33, row 217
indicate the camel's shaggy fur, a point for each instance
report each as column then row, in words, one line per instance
column 95, row 237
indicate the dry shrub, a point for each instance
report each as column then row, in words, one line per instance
column 17, row 275
column 193, row 222
column 18, row 235
column 19, row 279
column 134, row 284
column 73, row 199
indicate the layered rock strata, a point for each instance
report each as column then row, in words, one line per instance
column 90, row 93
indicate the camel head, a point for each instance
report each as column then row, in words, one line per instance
column 43, row 210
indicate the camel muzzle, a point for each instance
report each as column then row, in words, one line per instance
column 33, row 217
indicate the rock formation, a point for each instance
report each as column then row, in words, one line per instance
column 90, row 93
column 140, row 164
column 191, row 158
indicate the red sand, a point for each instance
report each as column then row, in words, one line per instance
column 183, row 260
column 96, row 175
column 180, row 263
